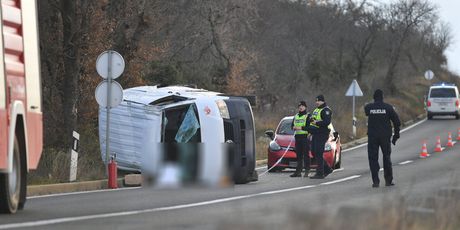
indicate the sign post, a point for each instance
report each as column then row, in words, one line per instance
column 354, row 91
column 109, row 65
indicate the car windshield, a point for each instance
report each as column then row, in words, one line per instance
column 284, row 128
column 442, row 92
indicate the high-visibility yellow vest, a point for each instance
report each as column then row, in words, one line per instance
column 300, row 121
column 316, row 116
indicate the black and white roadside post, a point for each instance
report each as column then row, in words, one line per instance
column 109, row 93
column 354, row 91
column 74, row 157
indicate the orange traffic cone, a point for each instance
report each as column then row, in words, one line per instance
column 424, row 152
column 438, row 145
column 458, row 135
column 449, row 140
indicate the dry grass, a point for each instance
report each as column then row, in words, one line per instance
column 392, row 214
column 264, row 123
column 54, row 166
column 261, row 148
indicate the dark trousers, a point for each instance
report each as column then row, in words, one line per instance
column 302, row 147
column 317, row 147
column 373, row 155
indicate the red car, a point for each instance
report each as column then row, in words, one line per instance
column 283, row 142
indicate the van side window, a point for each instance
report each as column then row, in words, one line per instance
column 189, row 127
column 182, row 125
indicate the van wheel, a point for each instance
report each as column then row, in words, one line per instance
column 11, row 184
column 429, row 116
column 241, row 180
column 254, row 176
column 457, row 116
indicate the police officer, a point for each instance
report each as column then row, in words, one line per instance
column 379, row 134
column 302, row 144
column 319, row 129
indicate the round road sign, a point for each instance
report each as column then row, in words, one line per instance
column 116, row 94
column 429, row 75
column 117, row 64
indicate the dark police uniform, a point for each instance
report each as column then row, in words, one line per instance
column 302, row 144
column 319, row 128
column 379, row 133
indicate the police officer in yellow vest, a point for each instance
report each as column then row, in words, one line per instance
column 302, row 144
column 319, row 129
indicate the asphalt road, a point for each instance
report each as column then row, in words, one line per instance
column 274, row 202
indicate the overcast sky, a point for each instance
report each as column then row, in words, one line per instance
column 450, row 12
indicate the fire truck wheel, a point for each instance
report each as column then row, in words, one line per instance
column 23, row 189
column 10, row 184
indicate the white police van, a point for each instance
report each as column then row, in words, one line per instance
column 198, row 129
column 443, row 99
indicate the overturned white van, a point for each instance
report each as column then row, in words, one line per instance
column 152, row 118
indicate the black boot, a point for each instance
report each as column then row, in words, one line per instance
column 317, row 176
column 327, row 171
column 389, row 184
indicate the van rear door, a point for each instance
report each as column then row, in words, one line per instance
column 443, row 99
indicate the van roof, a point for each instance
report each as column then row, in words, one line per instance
column 443, row 84
column 148, row 95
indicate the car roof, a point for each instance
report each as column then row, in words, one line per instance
column 446, row 86
column 443, row 85
column 287, row 117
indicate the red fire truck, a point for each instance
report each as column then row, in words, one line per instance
column 21, row 130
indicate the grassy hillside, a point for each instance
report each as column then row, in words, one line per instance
column 278, row 50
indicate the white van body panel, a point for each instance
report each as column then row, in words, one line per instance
column 212, row 137
column 446, row 105
column 136, row 130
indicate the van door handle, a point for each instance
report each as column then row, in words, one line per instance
column 34, row 107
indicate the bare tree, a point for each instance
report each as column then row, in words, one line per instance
column 368, row 23
column 403, row 18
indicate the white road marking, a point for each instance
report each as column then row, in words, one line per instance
column 83, row 192
column 406, row 162
column 286, row 190
column 338, row 170
column 353, row 148
column 381, row 169
column 412, row 126
column 341, row 180
column 176, row 207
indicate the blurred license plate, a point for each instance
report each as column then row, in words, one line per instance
column 292, row 164
column 442, row 103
